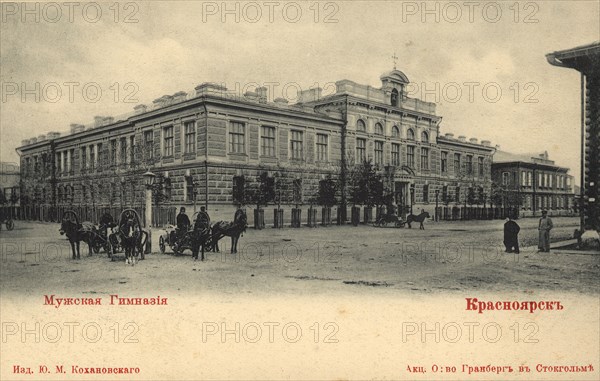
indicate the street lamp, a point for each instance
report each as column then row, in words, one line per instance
column 437, row 192
column 148, row 182
column 412, row 197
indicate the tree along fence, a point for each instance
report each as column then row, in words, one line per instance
column 161, row 216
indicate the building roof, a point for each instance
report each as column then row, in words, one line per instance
column 528, row 158
column 583, row 58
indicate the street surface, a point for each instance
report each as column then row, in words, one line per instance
column 446, row 257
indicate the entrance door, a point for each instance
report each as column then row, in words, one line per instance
column 401, row 197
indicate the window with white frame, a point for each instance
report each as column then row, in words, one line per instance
column 168, row 141
column 361, row 150
column 361, row 126
column 322, row 147
column 410, row 156
column 424, row 158
column 395, row 154
column 378, row 152
column 297, row 145
column 237, row 138
column 267, row 141
column 190, row 136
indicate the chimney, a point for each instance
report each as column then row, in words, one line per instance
column 97, row 121
column 449, row 135
column 41, row 138
column 262, row 94
column 75, row 128
column 281, row 101
column 33, row 140
column 158, row 103
column 251, row 96
column 310, row 95
column 462, row 138
column 53, row 135
column 108, row 120
column 209, row 87
column 25, row 142
column 473, row 140
column 486, row 143
column 168, row 100
column 140, row 109
column 179, row 96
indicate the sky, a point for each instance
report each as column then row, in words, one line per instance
column 482, row 62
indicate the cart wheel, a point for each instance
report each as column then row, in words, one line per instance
column 161, row 244
column 96, row 248
column 10, row 225
column 398, row 224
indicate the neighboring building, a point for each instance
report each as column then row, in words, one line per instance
column 533, row 183
column 10, row 182
column 214, row 143
column 586, row 60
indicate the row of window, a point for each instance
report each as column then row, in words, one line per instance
column 237, row 142
column 545, row 180
column 361, row 154
column 474, row 195
column 547, row 202
column 379, row 130
column 463, row 168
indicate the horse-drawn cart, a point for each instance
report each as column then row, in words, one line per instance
column 389, row 219
column 128, row 237
column 9, row 222
column 179, row 241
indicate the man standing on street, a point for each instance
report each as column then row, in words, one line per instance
column 511, row 236
column 544, row 227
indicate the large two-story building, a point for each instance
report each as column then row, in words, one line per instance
column 533, row 182
column 209, row 145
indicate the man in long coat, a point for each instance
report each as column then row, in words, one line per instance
column 511, row 236
column 544, row 227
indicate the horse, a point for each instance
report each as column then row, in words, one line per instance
column 133, row 238
column 77, row 232
column 231, row 229
column 420, row 218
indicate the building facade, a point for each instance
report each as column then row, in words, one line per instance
column 532, row 183
column 207, row 147
column 10, row 183
column 586, row 60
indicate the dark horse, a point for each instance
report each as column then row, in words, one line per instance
column 133, row 238
column 200, row 235
column 420, row 218
column 77, row 232
column 231, row 229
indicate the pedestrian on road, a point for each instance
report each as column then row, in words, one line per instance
column 511, row 236
column 544, row 227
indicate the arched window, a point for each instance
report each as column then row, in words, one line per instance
column 395, row 132
column 410, row 134
column 394, row 98
column 378, row 129
column 425, row 137
column 361, row 126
